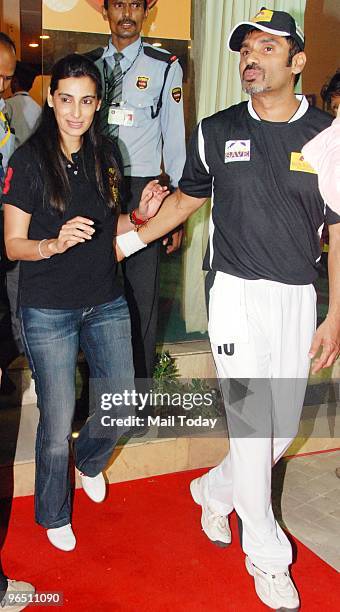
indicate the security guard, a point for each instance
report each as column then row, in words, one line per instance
column 143, row 108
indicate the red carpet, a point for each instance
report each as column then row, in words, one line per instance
column 143, row 551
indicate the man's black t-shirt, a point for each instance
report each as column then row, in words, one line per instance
column 83, row 276
column 267, row 211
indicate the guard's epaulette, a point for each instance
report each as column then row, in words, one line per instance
column 159, row 55
column 95, row 54
column 163, row 57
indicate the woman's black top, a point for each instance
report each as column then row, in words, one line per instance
column 86, row 274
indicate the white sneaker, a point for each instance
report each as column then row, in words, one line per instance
column 20, row 590
column 214, row 525
column 94, row 487
column 277, row 591
column 62, row 537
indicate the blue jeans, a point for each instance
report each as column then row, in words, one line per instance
column 52, row 340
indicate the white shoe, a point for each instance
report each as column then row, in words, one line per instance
column 62, row 537
column 94, row 487
column 214, row 525
column 21, row 593
column 277, row 591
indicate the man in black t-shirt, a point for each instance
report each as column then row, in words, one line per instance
column 266, row 219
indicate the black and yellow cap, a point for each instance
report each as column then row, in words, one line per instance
column 278, row 23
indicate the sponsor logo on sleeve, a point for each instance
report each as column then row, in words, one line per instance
column 177, row 94
column 142, row 82
column 299, row 164
column 263, row 15
column 237, row 150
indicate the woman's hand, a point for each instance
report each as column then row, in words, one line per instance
column 74, row 231
column 152, row 197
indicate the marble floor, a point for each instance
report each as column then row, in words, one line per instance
column 306, row 499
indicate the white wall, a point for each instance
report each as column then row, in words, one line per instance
column 322, row 27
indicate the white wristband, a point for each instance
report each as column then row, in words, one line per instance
column 130, row 243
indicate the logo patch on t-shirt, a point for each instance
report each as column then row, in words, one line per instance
column 263, row 15
column 237, row 150
column 299, row 164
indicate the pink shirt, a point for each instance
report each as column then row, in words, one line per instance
column 323, row 154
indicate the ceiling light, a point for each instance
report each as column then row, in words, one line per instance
column 44, row 36
column 157, row 44
column 33, row 45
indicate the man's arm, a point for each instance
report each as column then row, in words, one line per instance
column 173, row 132
column 172, row 125
column 175, row 210
column 327, row 335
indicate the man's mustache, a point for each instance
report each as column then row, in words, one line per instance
column 252, row 66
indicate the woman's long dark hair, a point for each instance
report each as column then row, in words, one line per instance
column 101, row 164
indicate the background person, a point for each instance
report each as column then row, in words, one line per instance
column 7, row 69
column 23, row 112
column 143, row 109
column 323, row 153
column 331, row 94
column 262, row 260
column 12, row 587
column 61, row 200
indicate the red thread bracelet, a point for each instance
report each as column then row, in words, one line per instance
column 134, row 219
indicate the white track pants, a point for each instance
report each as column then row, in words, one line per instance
column 280, row 321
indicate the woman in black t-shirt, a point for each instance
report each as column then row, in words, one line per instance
column 61, row 213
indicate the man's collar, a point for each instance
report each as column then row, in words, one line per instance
column 302, row 109
column 2, row 104
column 130, row 52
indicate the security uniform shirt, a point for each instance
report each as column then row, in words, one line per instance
column 23, row 113
column 149, row 139
column 83, row 276
column 267, row 211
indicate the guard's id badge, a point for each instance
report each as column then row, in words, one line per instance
column 120, row 116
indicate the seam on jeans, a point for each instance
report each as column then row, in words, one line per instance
column 29, row 354
column 37, row 389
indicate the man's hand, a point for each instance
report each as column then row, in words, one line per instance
column 326, row 336
column 176, row 241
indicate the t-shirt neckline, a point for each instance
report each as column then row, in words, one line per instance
column 300, row 112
